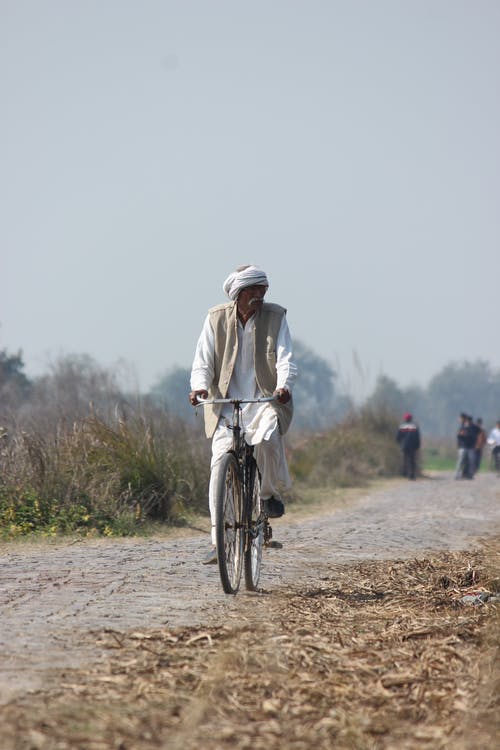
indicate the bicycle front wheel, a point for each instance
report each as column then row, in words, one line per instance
column 228, row 525
column 254, row 524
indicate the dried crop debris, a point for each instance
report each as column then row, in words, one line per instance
column 380, row 655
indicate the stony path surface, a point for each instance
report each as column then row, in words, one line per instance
column 52, row 598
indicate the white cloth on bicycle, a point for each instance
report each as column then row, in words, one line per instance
column 269, row 454
column 262, row 426
column 270, row 457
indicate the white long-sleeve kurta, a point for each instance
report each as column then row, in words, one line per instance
column 243, row 383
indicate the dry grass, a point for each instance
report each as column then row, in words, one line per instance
column 355, row 451
column 377, row 656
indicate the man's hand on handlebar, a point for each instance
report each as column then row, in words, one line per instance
column 194, row 396
column 282, row 395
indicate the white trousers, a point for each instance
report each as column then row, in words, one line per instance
column 271, row 462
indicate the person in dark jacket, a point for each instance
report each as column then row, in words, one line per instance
column 480, row 443
column 408, row 438
column 466, row 441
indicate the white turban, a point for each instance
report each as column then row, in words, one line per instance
column 239, row 279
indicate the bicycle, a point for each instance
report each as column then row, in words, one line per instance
column 242, row 526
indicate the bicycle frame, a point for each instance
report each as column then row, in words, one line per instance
column 240, row 447
column 252, row 524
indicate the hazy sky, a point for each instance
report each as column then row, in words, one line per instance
column 349, row 148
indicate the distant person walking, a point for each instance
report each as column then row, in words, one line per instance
column 466, row 440
column 494, row 443
column 460, row 447
column 408, row 438
column 480, row 443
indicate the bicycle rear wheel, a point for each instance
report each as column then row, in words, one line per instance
column 228, row 525
column 254, row 524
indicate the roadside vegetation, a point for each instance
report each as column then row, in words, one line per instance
column 361, row 447
column 125, row 474
column 82, row 454
column 100, row 476
column 79, row 455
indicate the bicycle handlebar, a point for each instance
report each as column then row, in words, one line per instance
column 235, row 401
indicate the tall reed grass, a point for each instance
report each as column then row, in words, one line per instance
column 100, row 475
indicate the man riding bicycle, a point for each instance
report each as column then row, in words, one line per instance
column 245, row 351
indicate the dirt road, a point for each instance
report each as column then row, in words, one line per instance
column 53, row 598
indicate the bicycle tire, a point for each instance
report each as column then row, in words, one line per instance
column 228, row 524
column 254, row 527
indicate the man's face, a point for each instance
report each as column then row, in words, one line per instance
column 251, row 297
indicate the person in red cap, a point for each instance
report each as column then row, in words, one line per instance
column 408, row 438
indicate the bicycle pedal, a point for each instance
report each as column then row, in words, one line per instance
column 268, row 534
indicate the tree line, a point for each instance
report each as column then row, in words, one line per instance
column 471, row 387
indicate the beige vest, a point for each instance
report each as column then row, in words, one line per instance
column 224, row 322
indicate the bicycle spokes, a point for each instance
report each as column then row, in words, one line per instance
column 229, row 526
column 255, row 528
